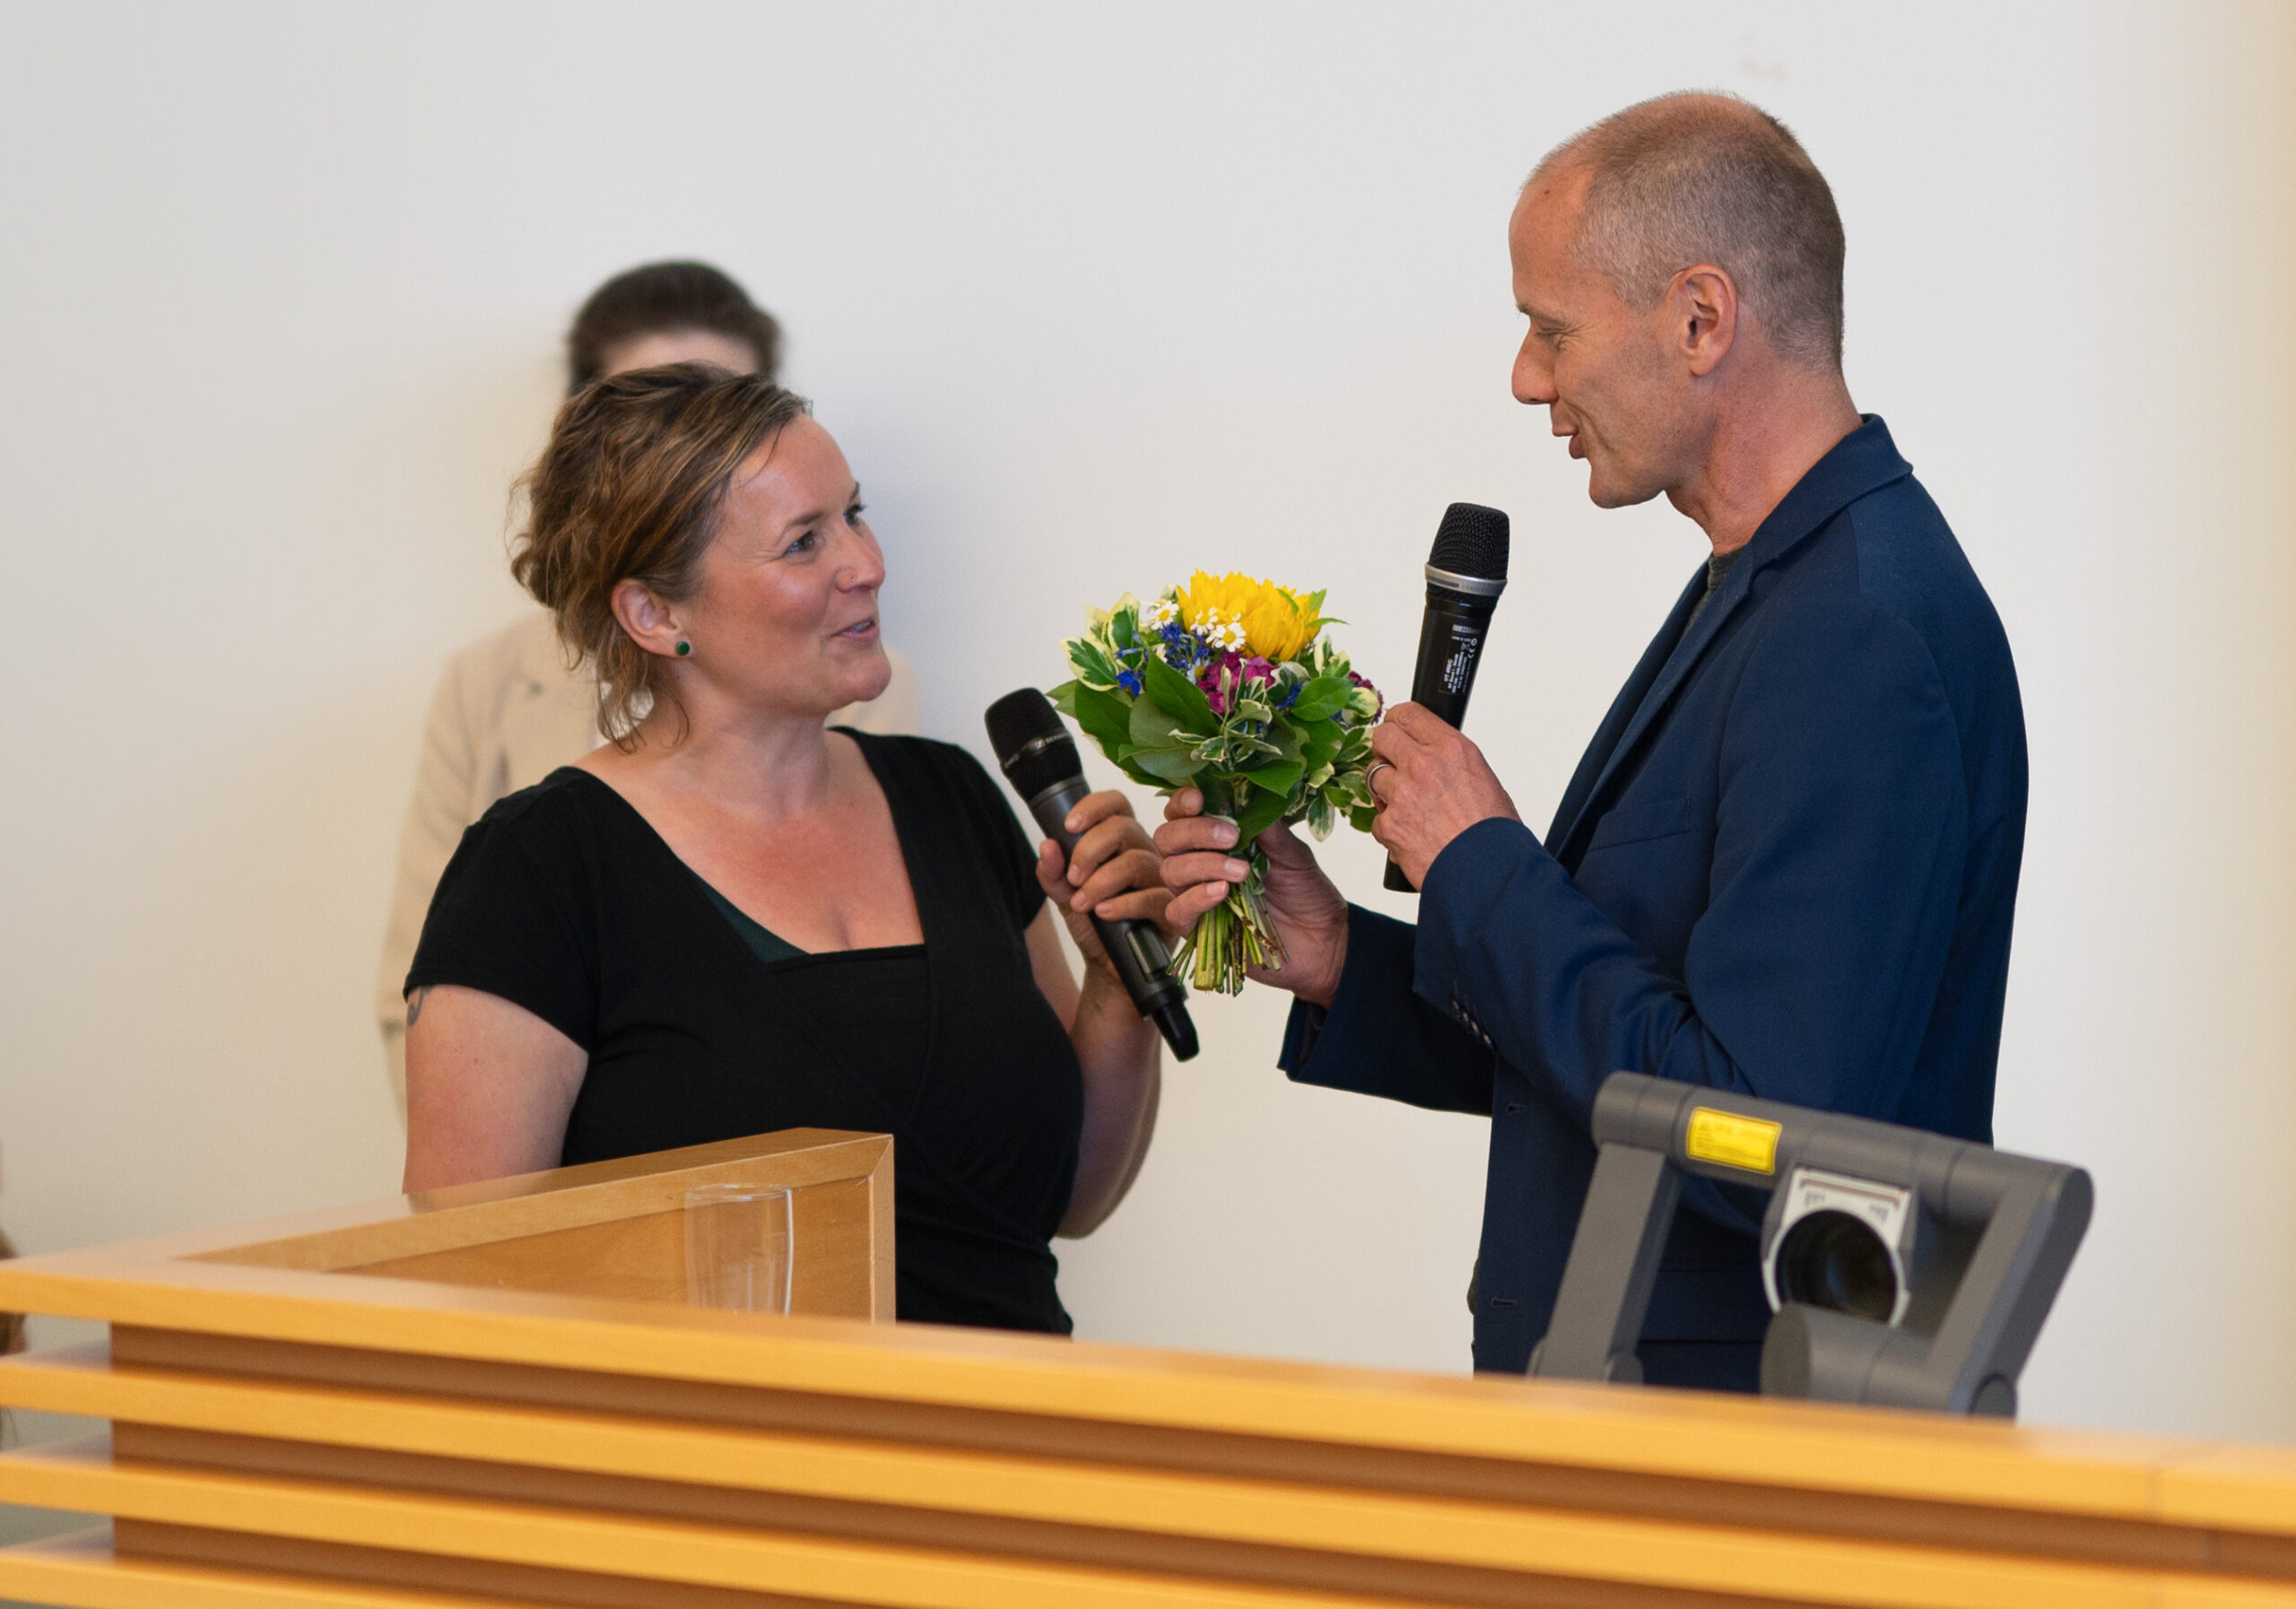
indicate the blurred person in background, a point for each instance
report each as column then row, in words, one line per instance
column 509, row 710
column 12, row 1325
column 733, row 918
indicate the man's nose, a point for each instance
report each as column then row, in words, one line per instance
column 1534, row 378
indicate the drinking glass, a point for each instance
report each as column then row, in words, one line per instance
column 739, row 1243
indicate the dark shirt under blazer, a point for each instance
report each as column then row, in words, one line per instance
column 1786, row 867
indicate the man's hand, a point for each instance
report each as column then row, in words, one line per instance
column 1431, row 785
column 1309, row 913
column 1113, row 875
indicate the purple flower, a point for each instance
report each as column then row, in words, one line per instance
column 1219, row 679
column 1257, row 669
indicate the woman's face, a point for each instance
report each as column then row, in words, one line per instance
column 786, row 615
column 657, row 347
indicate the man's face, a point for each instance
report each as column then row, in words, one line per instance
column 1601, row 369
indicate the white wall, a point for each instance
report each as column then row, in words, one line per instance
column 1090, row 297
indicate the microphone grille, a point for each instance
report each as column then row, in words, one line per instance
column 1018, row 720
column 1472, row 541
column 1032, row 743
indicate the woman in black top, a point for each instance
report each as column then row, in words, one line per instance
column 733, row 920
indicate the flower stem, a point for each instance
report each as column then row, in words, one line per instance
column 1234, row 935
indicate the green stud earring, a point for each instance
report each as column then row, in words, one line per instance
column 684, row 649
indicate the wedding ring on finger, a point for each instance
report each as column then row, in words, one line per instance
column 1371, row 778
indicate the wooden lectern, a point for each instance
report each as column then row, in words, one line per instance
column 494, row 1397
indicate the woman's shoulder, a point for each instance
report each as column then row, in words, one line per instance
column 947, row 805
column 924, row 760
column 568, row 813
column 568, row 794
column 942, row 788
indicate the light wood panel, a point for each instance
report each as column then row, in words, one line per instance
column 81, row 1571
column 1413, row 1512
column 1683, row 1434
column 525, row 1586
column 616, row 1229
column 490, row 1393
column 642, row 1257
column 1778, row 1567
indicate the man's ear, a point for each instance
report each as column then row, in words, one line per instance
column 1703, row 305
column 649, row 621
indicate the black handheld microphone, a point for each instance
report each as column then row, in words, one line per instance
column 1465, row 574
column 1039, row 759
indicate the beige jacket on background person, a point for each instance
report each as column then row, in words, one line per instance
column 508, row 713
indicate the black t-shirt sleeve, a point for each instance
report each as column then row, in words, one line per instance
column 1011, row 848
column 504, row 921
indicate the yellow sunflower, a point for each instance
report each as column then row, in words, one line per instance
column 1276, row 623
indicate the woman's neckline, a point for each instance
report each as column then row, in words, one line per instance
column 743, row 924
column 711, row 894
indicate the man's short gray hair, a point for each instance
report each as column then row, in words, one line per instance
column 1694, row 178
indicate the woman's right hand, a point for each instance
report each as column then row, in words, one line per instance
column 1309, row 913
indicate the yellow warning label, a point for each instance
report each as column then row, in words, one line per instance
column 1731, row 1140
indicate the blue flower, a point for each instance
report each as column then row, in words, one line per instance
column 1129, row 680
column 1183, row 648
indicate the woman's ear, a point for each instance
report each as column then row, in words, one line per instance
column 647, row 622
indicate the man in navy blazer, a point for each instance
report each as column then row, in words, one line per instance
column 1788, row 863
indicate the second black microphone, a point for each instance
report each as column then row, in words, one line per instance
column 1465, row 573
column 1039, row 759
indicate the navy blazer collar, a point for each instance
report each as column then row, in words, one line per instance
column 1864, row 461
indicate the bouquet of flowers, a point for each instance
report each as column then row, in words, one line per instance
column 1227, row 684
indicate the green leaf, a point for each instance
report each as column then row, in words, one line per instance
column 1280, row 778
column 1170, row 767
column 1260, row 812
column 1090, row 663
column 1349, row 788
column 1320, row 699
column 1128, row 759
column 1321, row 818
column 1106, row 717
column 1178, row 697
column 1150, row 727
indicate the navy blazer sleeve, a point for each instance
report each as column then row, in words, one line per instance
column 1381, row 1038
column 1839, row 822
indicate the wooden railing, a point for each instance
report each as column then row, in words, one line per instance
column 496, row 1396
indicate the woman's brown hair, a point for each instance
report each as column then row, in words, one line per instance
column 628, row 490
column 661, row 299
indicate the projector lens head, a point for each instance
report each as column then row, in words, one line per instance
column 1831, row 1259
